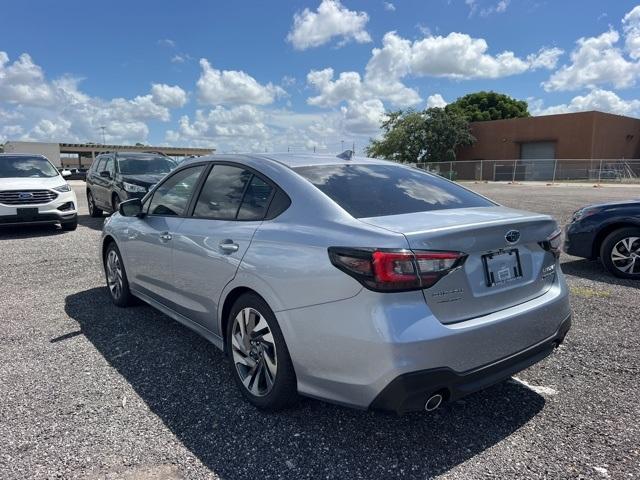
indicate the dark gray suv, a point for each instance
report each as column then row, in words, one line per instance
column 118, row 176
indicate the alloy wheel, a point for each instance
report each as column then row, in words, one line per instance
column 254, row 352
column 114, row 274
column 91, row 204
column 625, row 255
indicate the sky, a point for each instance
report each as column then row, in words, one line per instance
column 298, row 75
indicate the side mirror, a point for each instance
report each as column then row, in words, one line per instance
column 105, row 174
column 65, row 173
column 131, row 208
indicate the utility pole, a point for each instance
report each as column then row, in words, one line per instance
column 342, row 145
column 103, row 128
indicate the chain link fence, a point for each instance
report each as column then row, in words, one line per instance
column 555, row 170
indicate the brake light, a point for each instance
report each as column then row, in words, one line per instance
column 395, row 270
column 553, row 243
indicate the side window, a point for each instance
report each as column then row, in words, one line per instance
column 99, row 163
column 108, row 166
column 221, row 194
column 172, row 197
column 256, row 200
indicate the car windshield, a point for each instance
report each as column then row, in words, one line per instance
column 23, row 166
column 369, row 190
column 145, row 164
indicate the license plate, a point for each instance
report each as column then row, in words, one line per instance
column 502, row 267
column 27, row 213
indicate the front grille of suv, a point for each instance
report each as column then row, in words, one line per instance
column 26, row 197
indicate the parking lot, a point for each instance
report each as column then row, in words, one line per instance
column 92, row 391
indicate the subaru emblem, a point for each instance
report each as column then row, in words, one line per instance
column 512, row 237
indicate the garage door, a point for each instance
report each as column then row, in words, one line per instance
column 537, row 160
column 538, row 150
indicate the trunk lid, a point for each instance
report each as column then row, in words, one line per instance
column 479, row 232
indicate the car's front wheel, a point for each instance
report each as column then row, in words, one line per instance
column 115, row 202
column 94, row 211
column 262, row 367
column 620, row 253
column 117, row 282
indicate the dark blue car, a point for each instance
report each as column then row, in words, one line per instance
column 609, row 231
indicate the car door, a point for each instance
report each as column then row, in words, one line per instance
column 150, row 238
column 102, row 182
column 209, row 245
column 93, row 177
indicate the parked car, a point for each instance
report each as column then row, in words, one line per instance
column 609, row 231
column 358, row 281
column 118, row 176
column 32, row 191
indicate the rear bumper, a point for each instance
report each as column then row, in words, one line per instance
column 410, row 391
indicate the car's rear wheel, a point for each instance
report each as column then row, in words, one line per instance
column 117, row 282
column 620, row 253
column 261, row 364
column 94, row 211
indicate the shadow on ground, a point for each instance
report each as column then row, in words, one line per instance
column 9, row 232
column 186, row 382
column 90, row 222
column 593, row 270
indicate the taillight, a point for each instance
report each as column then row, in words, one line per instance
column 395, row 270
column 553, row 243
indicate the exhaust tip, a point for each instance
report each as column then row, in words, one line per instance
column 433, row 402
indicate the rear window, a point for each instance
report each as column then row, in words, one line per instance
column 379, row 190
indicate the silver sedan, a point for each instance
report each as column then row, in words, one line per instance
column 354, row 280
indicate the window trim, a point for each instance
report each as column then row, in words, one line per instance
column 147, row 199
column 254, row 172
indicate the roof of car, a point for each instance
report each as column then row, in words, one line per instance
column 291, row 160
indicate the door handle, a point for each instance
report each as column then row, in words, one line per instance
column 165, row 237
column 227, row 246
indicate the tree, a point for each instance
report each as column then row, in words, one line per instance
column 429, row 136
column 482, row 106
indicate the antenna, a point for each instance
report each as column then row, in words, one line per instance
column 346, row 155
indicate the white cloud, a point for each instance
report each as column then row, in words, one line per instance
column 597, row 99
column 167, row 42
column 436, row 100
column 22, row 82
column 58, row 110
column 363, row 117
column 332, row 19
column 390, row 7
column 596, row 61
column 217, row 87
column 457, row 56
column 168, row 96
column 631, row 29
column 545, row 58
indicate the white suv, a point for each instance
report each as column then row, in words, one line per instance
column 32, row 191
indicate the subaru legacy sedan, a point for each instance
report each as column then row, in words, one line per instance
column 357, row 281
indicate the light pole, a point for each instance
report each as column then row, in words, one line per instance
column 103, row 128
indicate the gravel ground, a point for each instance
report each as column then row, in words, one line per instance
column 92, row 391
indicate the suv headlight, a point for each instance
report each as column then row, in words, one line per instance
column 133, row 188
column 63, row 188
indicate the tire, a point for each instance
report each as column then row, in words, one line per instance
column 117, row 283
column 620, row 253
column 115, row 202
column 94, row 211
column 69, row 226
column 252, row 361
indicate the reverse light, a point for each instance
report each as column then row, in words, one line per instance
column 63, row 188
column 133, row 188
column 385, row 270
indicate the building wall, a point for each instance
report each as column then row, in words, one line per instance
column 49, row 150
column 577, row 135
